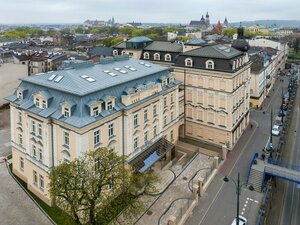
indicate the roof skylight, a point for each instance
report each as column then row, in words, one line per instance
column 58, row 79
column 142, row 63
column 147, row 65
column 132, row 69
column 90, row 79
column 123, row 71
column 84, row 76
column 52, row 77
column 117, row 69
column 126, row 67
column 112, row 74
column 106, row 71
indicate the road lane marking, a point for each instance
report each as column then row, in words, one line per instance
column 217, row 195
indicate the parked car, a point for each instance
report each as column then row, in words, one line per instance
column 286, row 101
column 242, row 221
column 286, row 95
column 278, row 121
column 275, row 130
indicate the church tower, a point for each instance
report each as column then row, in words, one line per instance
column 226, row 22
column 207, row 19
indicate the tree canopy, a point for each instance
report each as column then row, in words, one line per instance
column 86, row 186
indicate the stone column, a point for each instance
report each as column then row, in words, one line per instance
column 216, row 162
column 200, row 183
column 224, row 152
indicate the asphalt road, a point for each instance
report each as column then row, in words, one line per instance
column 223, row 200
column 290, row 212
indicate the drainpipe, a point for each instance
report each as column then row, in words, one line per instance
column 123, row 147
column 184, row 101
column 52, row 143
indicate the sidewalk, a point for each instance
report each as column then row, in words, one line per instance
column 16, row 207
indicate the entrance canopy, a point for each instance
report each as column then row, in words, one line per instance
column 152, row 154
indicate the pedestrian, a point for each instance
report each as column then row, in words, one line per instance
column 251, row 125
column 260, row 107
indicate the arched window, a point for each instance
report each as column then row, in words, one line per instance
column 123, row 52
column 156, row 56
column 115, row 52
column 146, row 55
column 209, row 64
column 188, row 62
column 168, row 57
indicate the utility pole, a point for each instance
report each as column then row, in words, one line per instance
column 271, row 139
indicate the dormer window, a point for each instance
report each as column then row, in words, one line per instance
column 44, row 104
column 66, row 111
column 209, row 64
column 189, row 62
column 19, row 94
column 146, row 55
column 156, row 56
column 115, row 52
column 123, row 52
column 168, row 57
column 96, row 111
column 110, row 105
column 37, row 102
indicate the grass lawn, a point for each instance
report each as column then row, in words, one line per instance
column 60, row 217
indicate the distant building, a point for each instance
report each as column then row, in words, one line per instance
column 135, row 24
column 203, row 23
column 218, row 28
column 225, row 24
column 94, row 23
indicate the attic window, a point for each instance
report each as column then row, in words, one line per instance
column 189, row 62
column 147, row 65
column 209, row 64
column 146, row 56
column 112, row 74
column 167, row 57
column 126, row 67
column 52, row 77
column 106, row 71
column 66, row 112
column 58, row 79
column 96, row 111
column 132, row 69
column 142, row 63
column 117, row 69
column 84, row 76
column 19, row 94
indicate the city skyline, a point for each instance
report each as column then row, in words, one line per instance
column 22, row 12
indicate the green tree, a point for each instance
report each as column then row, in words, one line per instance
column 185, row 38
column 116, row 41
column 137, row 32
column 296, row 44
column 229, row 31
column 86, row 186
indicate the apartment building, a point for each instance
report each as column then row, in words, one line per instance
column 128, row 105
column 217, row 84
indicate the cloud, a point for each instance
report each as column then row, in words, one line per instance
column 76, row 11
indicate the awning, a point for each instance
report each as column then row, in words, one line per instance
column 151, row 155
column 149, row 161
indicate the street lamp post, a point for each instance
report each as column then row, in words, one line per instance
column 238, row 187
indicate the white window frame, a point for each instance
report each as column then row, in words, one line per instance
column 172, row 115
column 19, row 117
column 67, row 111
column 41, row 156
column 135, row 143
column 156, row 56
column 165, row 120
column 115, row 52
column 168, row 57
column 146, row 55
column 66, row 138
column 20, row 139
column 146, row 118
column 40, row 129
column 165, row 101
column 155, row 131
column 111, row 131
column 146, row 136
column 95, row 111
column 42, row 182
column 37, row 102
column 136, row 120
column 44, row 104
column 19, row 94
column 21, row 164
column 35, row 178
column 209, row 64
column 155, row 110
column 34, row 155
column 110, row 105
column 188, row 62
column 33, row 128
column 96, row 137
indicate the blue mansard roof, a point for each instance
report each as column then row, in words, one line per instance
column 87, row 84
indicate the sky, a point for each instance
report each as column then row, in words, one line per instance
column 164, row 11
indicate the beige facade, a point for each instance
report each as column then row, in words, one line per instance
column 38, row 143
column 216, row 104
